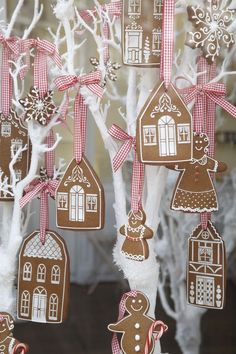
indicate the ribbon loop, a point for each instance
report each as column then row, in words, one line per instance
column 138, row 168
column 91, row 81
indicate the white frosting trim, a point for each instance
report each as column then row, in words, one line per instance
column 133, row 257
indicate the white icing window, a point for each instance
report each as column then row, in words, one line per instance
column 149, row 135
column 27, row 272
column 92, row 203
column 205, row 254
column 62, row 201
column 158, row 6
column 77, row 207
column 16, row 144
column 53, row 307
column 55, row 275
column 184, row 133
column 167, row 136
column 6, row 129
column 41, row 273
column 134, row 7
column 156, row 41
column 25, row 304
column 205, row 289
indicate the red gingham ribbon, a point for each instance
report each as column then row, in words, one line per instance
column 42, row 189
column 44, row 49
column 167, row 44
column 10, row 51
column 91, row 81
column 163, row 328
column 50, row 155
column 112, row 9
column 115, row 343
column 138, row 168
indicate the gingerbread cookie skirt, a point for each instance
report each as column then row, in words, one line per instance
column 194, row 201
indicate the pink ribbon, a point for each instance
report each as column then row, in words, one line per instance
column 115, row 343
column 138, row 168
column 112, row 9
column 167, row 44
column 44, row 49
column 163, row 328
column 42, row 189
column 10, row 51
column 91, row 81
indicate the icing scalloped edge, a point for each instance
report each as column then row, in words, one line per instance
column 133, row 257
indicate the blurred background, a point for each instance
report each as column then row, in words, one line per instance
column 97, row 284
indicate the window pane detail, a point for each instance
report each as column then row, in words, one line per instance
column 62, row 201
column 149, row 135
column 25, row 302
column 91, row 203
column 55, row 275
column 6, row 129
column 27, row 272
column 53, row 307
column 41, row 273
column 184, row 133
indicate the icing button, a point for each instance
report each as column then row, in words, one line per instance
column 196, row 180
column 137, row 325
column 196, row 167
column 137, row 348
column 137, row 337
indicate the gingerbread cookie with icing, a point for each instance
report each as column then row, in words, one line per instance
column 136, row 233
column 195, row 191
column 8, row 344
column 135, row 326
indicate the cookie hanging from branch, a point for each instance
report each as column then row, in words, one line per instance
column 206, row 268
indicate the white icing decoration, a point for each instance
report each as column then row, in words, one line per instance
column 137, row 325
column 137, row 348
column 137, row 337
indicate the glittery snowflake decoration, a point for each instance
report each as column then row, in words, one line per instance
column 211, row 29
column 38, row 108
column 110, row 72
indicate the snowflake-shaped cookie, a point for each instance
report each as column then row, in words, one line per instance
column 211, row 29
column 38, row 108
column 110, row 69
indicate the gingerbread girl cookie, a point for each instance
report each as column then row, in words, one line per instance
column 136, row 325
column 136, row 233
column 195, row 191
column 8, row 344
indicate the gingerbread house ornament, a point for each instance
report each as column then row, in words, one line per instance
column 13, row 136
column 80, row 198
column 206, row 270
column 43, row 279
column 164, row 128
column 142, row 32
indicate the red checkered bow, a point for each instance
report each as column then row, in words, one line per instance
column 91, row 81
column 112, row 9
column 167, row 44
column 138, row 168
column 163, row 328
column 115, row 343
column 42, row 189
column 44, row 49
column 10, row 51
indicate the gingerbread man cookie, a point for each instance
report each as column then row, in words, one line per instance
column 195, row 191
column 135, row 326
column 8, row 344
column 136, row 233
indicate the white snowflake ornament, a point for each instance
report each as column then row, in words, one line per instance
column 211, row 29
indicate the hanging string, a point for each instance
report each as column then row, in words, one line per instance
column 167, row 44
column 92, row 82
column 138, row 167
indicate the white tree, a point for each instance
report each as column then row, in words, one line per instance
column 143, row 276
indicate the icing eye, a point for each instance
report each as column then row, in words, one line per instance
column 200, row 141
column 196, row 141
column 140, row 301
column 133, row 301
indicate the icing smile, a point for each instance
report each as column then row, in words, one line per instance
column 198, row 149
column 3, row 330
column 139, row 309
